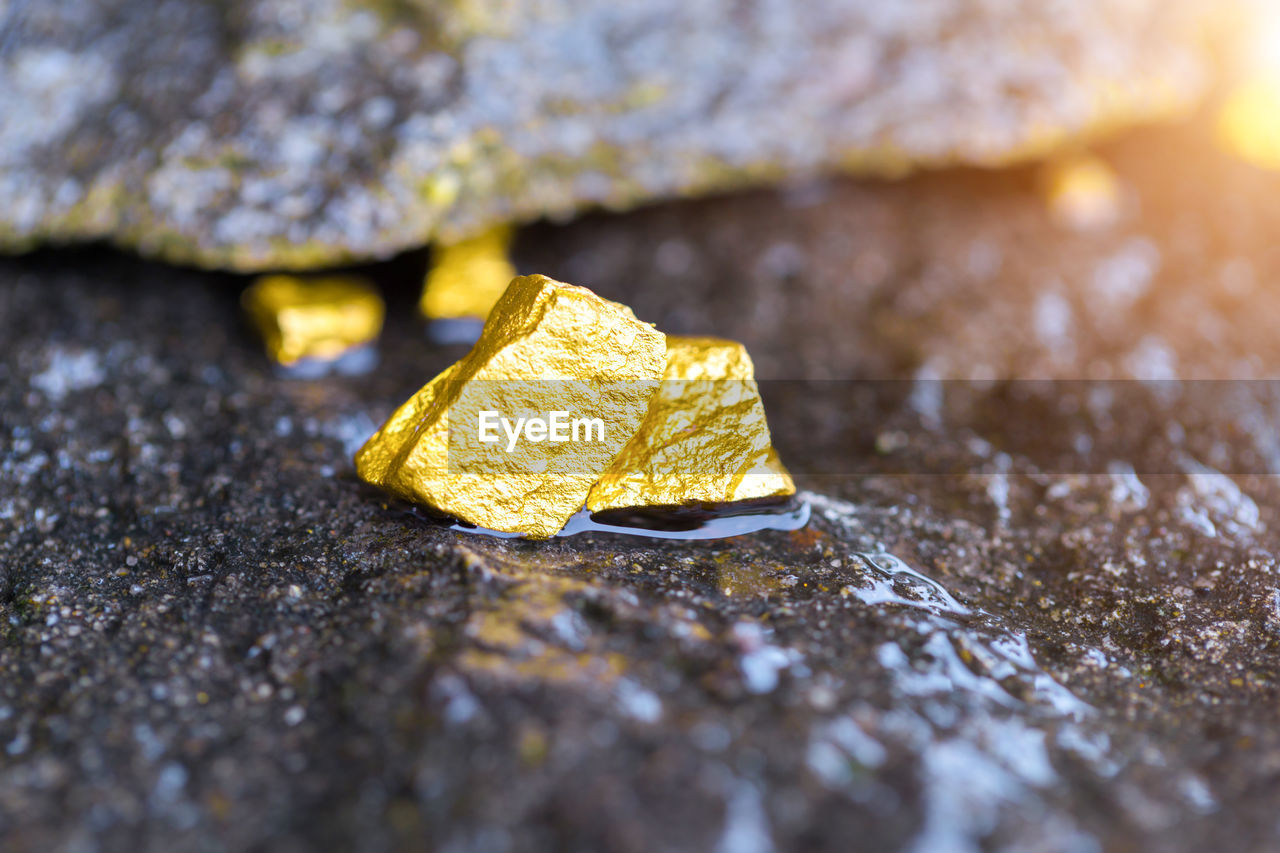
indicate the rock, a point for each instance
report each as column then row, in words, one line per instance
column 1024, row 616
column 253, row 136
column 705, row 439
column 547, row 347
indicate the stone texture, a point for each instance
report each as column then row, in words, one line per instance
column 260, row 134
column 993, row 633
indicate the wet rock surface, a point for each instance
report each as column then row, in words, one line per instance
column 215, row 637
column 257, row 134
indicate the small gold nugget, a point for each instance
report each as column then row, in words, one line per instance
column 479, row 442
column 318, row 319
column 705, row 439
column 467, row 278
column 1082, row 192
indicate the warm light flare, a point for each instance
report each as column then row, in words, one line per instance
column 1249, row 120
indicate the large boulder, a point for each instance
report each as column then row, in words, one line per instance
column 261, row 134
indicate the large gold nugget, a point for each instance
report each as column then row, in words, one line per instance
column 547, row 347
column 313, row 318
column 705, row 439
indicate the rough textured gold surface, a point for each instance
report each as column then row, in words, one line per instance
column 547, row 346
column 705, row 439
column 320, row 318
column 467, row 278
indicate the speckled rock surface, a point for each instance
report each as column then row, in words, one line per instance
column 213, row 637
column 263, row 134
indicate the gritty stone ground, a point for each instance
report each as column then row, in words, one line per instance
column 1023, row 617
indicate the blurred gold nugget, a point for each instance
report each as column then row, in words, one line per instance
column 547, row 347
column 467, row 278
column 313, row 318
column 1082, row 192
column 705, row 439
column 682, row 419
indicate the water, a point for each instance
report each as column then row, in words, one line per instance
column 894, row 582
column 674, row 523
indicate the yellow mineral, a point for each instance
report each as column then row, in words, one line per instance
column 467, row 278
column 313, row 318
column 705, row 439
column 1082, row 192
column 513, row 436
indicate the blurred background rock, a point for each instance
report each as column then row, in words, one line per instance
column 304, row 133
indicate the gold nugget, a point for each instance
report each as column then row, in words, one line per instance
column 705, row 439
column 467, row 278
column 313, row 318
column 1082, row 193
column 547, row 349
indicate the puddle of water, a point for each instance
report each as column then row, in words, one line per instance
column 679, row 524
column 971, row 703
column 965, row 648
column 891, row 578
